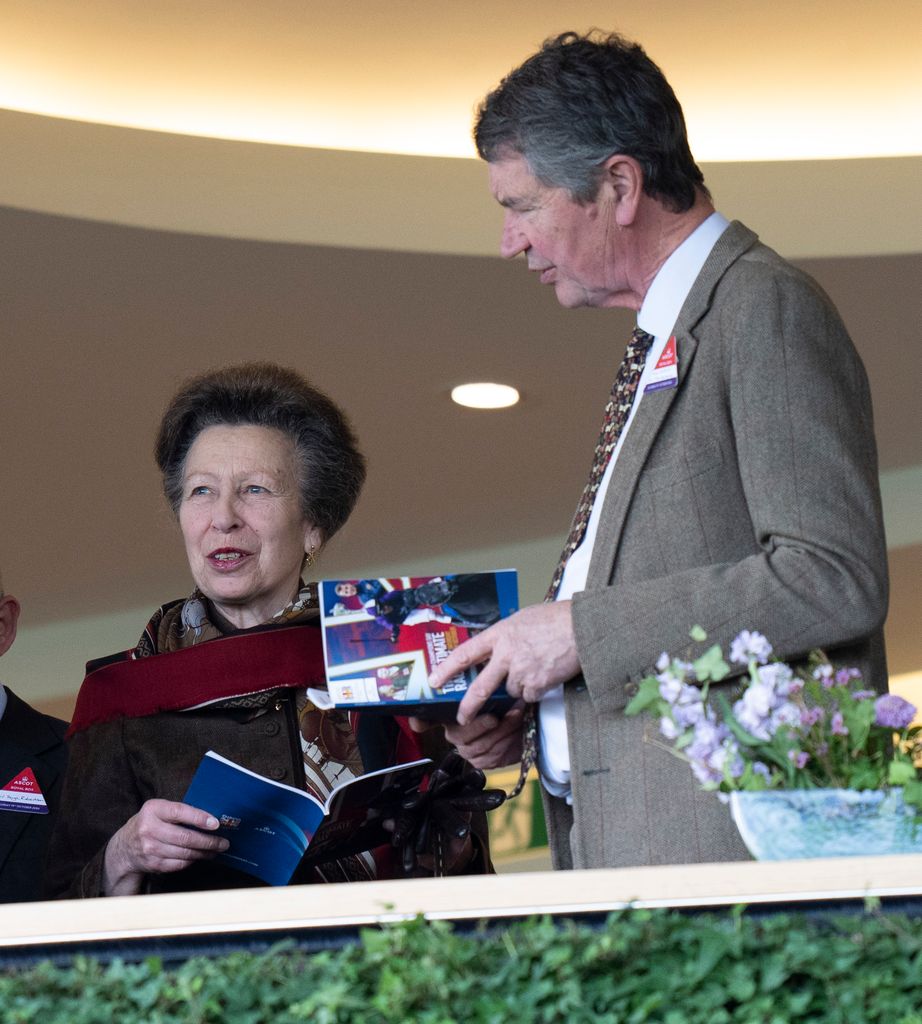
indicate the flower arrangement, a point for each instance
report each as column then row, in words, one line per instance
column 785, row 729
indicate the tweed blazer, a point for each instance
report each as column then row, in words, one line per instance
column 747, row 497
column 28, row 739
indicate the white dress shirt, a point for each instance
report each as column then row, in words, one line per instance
column 660, row 310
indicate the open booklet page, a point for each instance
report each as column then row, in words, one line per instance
column 272, row 827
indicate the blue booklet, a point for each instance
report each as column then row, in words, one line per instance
column 383, row 636
column 272, row 827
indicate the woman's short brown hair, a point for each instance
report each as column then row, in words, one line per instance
column 331, row 469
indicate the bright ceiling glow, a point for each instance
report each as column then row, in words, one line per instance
column 780, row 81
column 485, row 395
column 774, row 132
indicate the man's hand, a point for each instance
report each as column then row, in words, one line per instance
column 163, row 836
column 532, row 651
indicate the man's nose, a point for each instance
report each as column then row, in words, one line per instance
column 513, row 240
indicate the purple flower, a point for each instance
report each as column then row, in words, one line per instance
column 845, row 675
column 778, row 676
column 810, row 716
column 712, row 749
column 823, row 674
column 761, row 768
column 863, row 694
column 750, row 646
column 689, row 708
column 893, row 712
column 799, row 757
column 671, row 677
column 669, row 687
column 837, row 725
column 785, row 714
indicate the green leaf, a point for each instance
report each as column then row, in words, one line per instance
column 698, row 634
column 900, row 772
column 912, row 793
column 647, row 695
column 711, row 665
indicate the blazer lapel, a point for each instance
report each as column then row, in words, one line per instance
column 654, row 407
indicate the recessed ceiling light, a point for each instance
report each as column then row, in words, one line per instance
column 485, row 395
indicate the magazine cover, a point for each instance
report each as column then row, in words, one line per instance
column 382, row 637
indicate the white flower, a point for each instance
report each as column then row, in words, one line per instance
column 787, row 713
column 748, row 646
column 778, row 676
column 668, row 728
column 670, row 688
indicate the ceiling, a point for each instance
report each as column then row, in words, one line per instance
column 132, row 258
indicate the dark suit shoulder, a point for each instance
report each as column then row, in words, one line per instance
column 25, row 727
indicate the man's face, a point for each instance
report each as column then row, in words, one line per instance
column 573, row 246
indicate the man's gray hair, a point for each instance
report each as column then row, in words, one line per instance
column 578, row 101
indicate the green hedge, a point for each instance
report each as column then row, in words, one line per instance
column 640, row 966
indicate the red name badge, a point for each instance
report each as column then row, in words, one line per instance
column 23, row 793
column 666, row 372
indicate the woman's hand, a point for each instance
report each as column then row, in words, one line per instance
column 164, row 836
column 487, row 742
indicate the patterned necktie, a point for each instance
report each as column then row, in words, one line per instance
column 616, row 414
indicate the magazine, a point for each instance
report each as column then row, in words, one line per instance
column 382, row 637
column 273, row 827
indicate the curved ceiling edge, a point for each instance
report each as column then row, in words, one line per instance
column 357, row 200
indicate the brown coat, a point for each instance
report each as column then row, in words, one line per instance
column 116, row 766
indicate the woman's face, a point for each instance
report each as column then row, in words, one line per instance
column 241, row 520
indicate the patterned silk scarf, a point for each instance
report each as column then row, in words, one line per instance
column 328, row 743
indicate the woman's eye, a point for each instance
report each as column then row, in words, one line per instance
column 254, row 489
column 198, row 491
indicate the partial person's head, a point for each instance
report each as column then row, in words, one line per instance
column 588, row 153
column 9, row 619
column 261, row 469
column 578, row 101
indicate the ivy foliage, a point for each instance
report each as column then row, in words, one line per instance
column 657, row 966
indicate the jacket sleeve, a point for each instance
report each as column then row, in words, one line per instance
column 99, row 795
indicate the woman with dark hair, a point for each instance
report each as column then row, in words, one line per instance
column 260, row 469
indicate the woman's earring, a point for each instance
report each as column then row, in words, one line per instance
column 309, row 558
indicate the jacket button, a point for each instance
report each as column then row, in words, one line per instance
column 272, row 728
column 631, row 689
column 277, row 773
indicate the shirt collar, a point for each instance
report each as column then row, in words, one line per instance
column 2, row 700
column 669, row 289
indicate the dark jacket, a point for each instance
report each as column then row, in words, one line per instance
column 28, row 739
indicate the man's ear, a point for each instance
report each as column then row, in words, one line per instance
column 623, row 179
column 9, row 617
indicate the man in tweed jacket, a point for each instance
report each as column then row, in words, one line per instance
column 743, row 493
